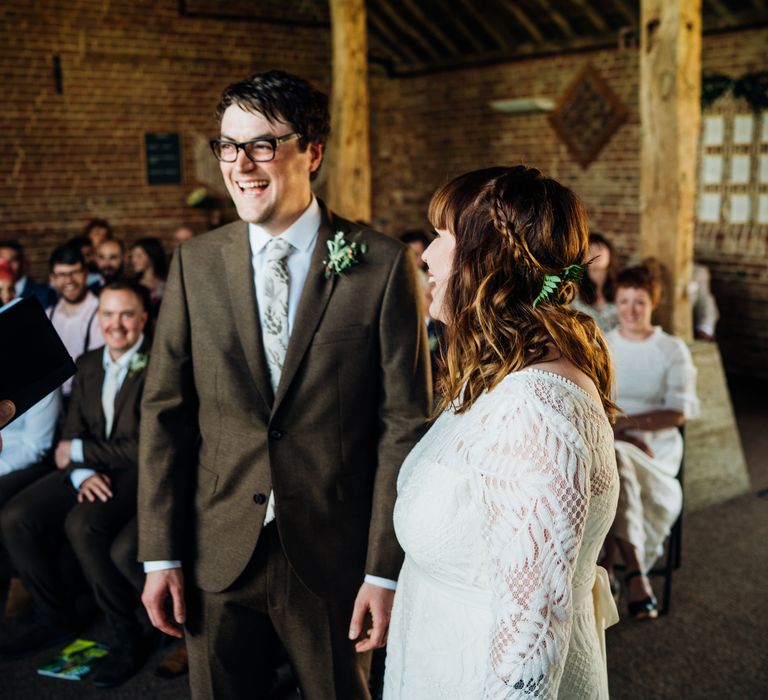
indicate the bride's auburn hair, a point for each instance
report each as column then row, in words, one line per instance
column 513, row 226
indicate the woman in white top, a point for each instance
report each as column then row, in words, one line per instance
column 503, row 506
column 598, row 288
column 656, row 388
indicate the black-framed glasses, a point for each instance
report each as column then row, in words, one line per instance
column 257, row 151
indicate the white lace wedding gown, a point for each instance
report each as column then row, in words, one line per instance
column 502, row 512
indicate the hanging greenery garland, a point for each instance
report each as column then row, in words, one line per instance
column 753, row 87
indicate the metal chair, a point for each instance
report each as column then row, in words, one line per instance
column 674, row 543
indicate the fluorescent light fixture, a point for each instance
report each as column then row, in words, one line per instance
column 521, row 105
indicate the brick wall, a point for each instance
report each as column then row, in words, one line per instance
column 429, row 128
column 129, row 67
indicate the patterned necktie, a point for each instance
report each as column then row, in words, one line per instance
column 275, row 329
column 108, row 394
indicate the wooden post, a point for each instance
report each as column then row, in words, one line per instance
column 349, row 155
column 670, row 115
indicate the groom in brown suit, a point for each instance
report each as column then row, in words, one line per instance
column 286, row 387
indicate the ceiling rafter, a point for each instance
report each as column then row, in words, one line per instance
column 458, row 24
column 390, row 41
column 406, row 28
column 525, row 21
column 720, row 8
column 487, row 26
column 430, row 25
column 594, row 17
column 557, row 18
column 632, row 16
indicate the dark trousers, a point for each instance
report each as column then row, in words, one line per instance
column 233, row 636
column 31, row 525
column 10, row 485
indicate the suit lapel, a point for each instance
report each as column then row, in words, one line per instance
column 314, row 298
column 242, row 298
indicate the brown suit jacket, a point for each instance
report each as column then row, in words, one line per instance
column 85, row 417
column 353, row 399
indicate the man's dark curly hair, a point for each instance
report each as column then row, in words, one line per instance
column 280, row 96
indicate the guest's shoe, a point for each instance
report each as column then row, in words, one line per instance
column 26, row 636
column 122, row 662
column 175, row 663
column 645, row 608
column 19, row 599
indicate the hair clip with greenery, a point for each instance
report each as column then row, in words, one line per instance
column 572, row 273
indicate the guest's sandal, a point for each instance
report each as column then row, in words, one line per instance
column 645, row 609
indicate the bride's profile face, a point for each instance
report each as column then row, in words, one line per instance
column 439, row 259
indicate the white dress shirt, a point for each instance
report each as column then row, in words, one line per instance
column 26, row 440
column 78, row 476
column 302, row 235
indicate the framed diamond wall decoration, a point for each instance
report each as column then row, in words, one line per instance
column 588, row 114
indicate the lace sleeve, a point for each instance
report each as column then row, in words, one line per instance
column 535, row 490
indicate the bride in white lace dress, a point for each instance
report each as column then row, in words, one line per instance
column 503, row 505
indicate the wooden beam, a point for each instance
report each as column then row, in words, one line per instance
column 406, row 28
column 523, row 19
column 670, row 117
column 349, row 175
column 391, row 42
column 558, row 19
column 488, row 27
column 453, row 18
column 630, row 14
column 429, row 25
column 593, row 16
column 719, row 8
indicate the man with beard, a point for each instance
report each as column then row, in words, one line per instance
column 110, row 260
column 74, row 315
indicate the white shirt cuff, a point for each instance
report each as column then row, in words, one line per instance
column 78, row 476
column 706, row 328
column 381, row 582
column 76, row 451
column 150, row 566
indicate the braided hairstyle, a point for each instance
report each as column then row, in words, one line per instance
column 513, row 226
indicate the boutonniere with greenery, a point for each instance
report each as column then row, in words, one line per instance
column 342, row 255
column 138, row 362
column 552, row 283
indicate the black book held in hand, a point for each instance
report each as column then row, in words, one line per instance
column 33, row 360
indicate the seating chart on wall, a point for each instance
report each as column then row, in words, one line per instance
column 733, row 182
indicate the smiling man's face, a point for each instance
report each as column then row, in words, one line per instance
column 272, row 194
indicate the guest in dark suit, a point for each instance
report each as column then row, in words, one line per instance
column 13, row 253
column 281, row 401
column 90, row 497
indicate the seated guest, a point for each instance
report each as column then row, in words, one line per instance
column 705, row 311
column 597, row 289
column 13, row 254
column 91, row 497
column 25, row 459
column 181, row 234
column 418, row 241
column 150, row 265
column 110, row 262
column 7, row 285
column 83, row 243
column 74, row 315
column 656, row 388
column 97, row 230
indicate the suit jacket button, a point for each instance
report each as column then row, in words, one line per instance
column 259, row 499
column 275, row 434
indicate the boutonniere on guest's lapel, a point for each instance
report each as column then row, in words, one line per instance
column 342, row 255
column 138, row 362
